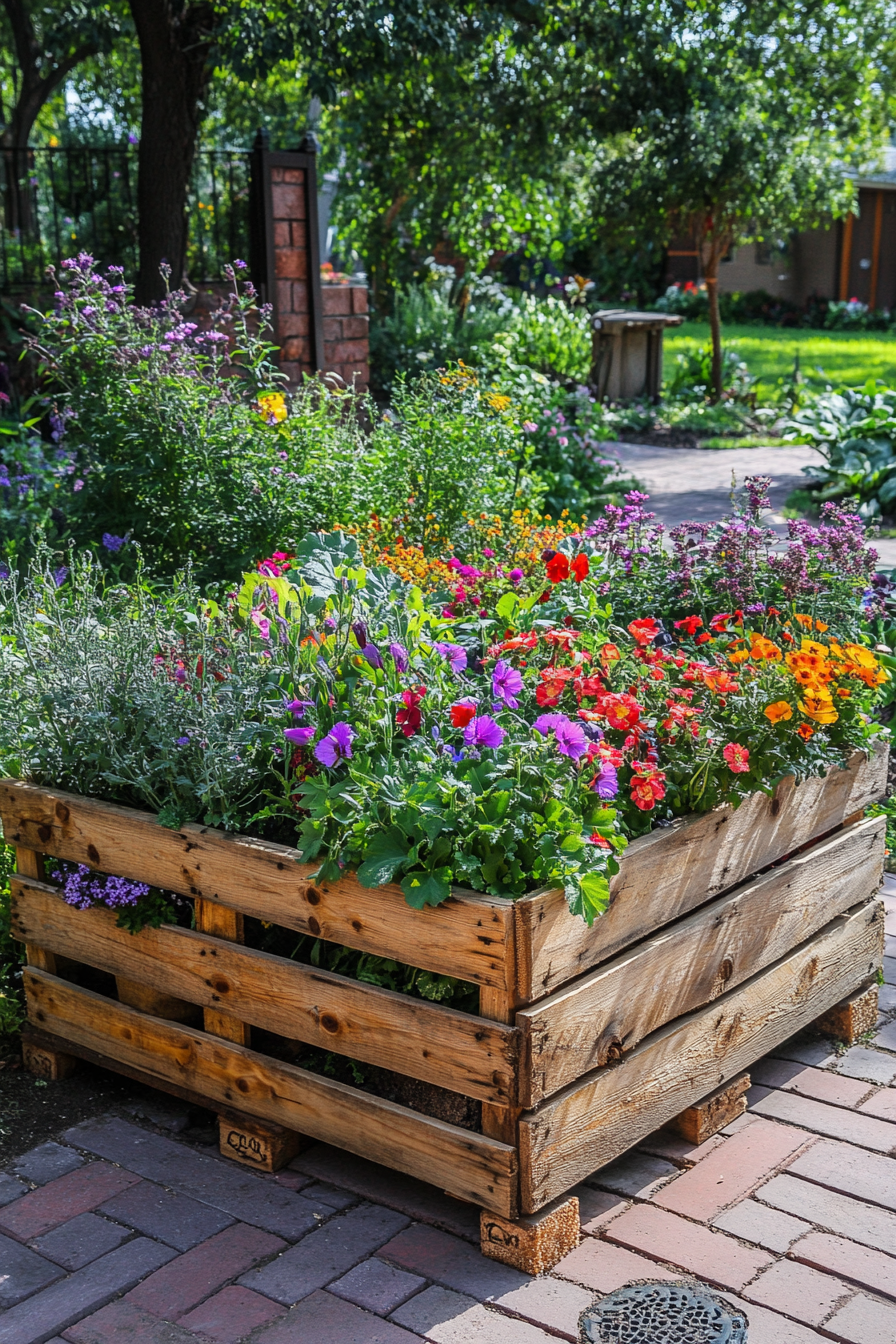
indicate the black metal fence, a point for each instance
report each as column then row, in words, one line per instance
column 61, row 200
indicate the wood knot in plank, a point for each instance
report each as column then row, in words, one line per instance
column 93, row 855
column 313, row 925
column 62, row 813
column 45, row 832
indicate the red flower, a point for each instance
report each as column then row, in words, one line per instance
column 595, row 838
column 463, row 712
column 620, row 711
column 648, row 786
column 738, row 758
column 580, row 568
column 703, row 639
column 690, row 625
column 643, row 631
column 563, row 639
column 558, row 568
column 408, row 719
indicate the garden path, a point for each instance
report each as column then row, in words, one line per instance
column 124, row 1231
column 695, row 483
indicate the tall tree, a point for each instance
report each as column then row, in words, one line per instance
column 48, row 42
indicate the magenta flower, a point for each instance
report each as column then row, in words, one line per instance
column 455, row 656
column 507, row 683
column 336, row 746
column 571, row 740
column 300, row 737
column 299, row 708
column 262, row 623
column 516, row 576
column 482, row 731
column 549, row 723
column 606, row 782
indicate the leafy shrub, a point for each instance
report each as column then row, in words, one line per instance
column 853, row 315
column 693, row 376
column 855, row 434
column 550, row 335
column 437, row 321
column 569, row 459
column 686, row 300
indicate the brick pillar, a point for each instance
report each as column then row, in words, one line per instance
column 286, row 253
column 346, row 347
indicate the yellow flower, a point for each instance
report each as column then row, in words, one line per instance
column 819, row 706
column 778, row 711
column 272, row 405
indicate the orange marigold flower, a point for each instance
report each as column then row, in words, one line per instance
column 805, row 731
column 778, row 711
column 762, row 649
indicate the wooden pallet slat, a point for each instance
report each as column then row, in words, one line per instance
column 608, row 1011
column 471, row 1166
column 239, row 984
column 597, row 1118
column 466, row 937
column 669, row 872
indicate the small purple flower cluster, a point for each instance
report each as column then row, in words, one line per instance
column 83, row 888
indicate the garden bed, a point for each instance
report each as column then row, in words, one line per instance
column 727, row 932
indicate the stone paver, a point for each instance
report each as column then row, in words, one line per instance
column 46, row 1162
column 886, row 1039
column 664, row 1236
column 881, row 1104
column 798, row 1291
column 78, row 1192
column 864, row 1320
column 840, row 1166
column 209, row 1180
column 176, row 1219
column 597, row 1207
column 451, row 1262
column 754, row 1222
column 732, row 1171
column 231, row 1314
column 11, row 1189
column 636, row 1174
column 604, row 1267
column 549, row 1302
column 82, row 1239
column 857, row 1264
column 864, row 1130
column 325, row 1319
column 67, row 1301
column 173, row 1290
column 377, row 1287
column 865, row 1223
column 446, row 1317
column 22, row 1272
column 123, row 1323
column 872, row 1065
column 816, row 1083
column 326, row 1254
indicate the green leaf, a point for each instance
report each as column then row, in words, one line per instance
column 383, row 857
column 506, row 606
column 427, row 888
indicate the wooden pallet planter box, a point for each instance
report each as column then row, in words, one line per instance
column 726, row 933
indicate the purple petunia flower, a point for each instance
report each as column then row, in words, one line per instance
column 455, row 655
column 507, row 683
column 336, row 746
column 548, row 723
column 111, row 542
column 571, row 740
column 606, row 782
column 300, row 737
column 399, row 657
column 482, row 731
column 371, row 654
column 299, row 708
column 183, row 741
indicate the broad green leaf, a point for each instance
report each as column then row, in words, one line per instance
column 384, row 856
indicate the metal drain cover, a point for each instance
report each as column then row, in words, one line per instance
column 662, row 1313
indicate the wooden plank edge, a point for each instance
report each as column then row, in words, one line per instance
column 479, row 1170
column 736, row 1060
column 781, row 872
column 491, row 1047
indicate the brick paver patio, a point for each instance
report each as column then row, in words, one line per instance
column 119, row 1233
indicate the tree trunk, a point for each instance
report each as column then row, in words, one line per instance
column 175, row 56
column 711, row 277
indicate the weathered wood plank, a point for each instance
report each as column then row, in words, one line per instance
column 603, row 1115
column 466, row 937
column 470, row 1166
column 424, row 1040
column 671, row 871
column 221, row 922
column 30, row 863
column 607, row 1012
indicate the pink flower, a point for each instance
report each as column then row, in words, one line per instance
column 738, row 758
column 300, row 737
column 529, row 426
column 483, row 731
column 336, row 746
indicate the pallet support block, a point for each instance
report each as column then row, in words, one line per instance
column 699, row 1122
column 264, row 1146
column 532, row 1244
column 852, row 1017
column 42, row 1062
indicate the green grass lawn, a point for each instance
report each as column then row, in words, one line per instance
column 837, row 357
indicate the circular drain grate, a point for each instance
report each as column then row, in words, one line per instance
column 662, row 1313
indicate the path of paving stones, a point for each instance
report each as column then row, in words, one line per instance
column 694, row 484
column 118, row 1233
